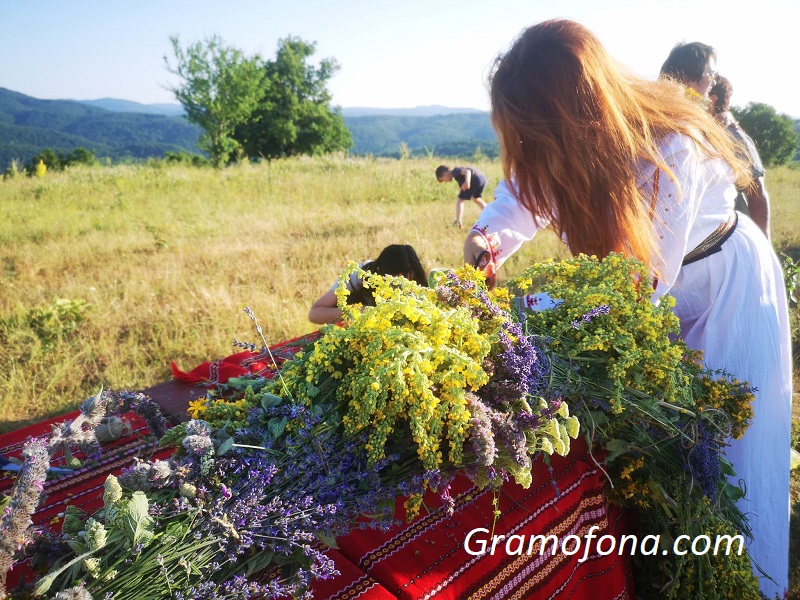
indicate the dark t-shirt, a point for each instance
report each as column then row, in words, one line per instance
column 476, row 185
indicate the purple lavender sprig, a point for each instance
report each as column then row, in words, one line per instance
column 143, row 406
column 703, row 461
column 521, row 367
column 481, row 438
column 25, row 497
column 484, row 310
column 249, row 346
column 603, row 309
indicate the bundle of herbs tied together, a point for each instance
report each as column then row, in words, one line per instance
column 395, row 401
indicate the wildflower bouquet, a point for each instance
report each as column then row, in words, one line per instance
column 395, row 401
column 662, row 419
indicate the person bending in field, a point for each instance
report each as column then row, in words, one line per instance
column 396, row 259
column 470, row 182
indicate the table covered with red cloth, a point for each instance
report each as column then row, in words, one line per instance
column 425, row 558
column 83, row 487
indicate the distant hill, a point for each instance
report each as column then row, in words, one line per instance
column 417, row 111
column 120, row 129
column 380, row 131
column 441, row 135
column 115, row 105
column 29, row 125
column 174, row 110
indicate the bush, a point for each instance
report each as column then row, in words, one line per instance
column 58, row 320
column 49, row 161
column 79, row 156
column 186, row 158
column 13, row 170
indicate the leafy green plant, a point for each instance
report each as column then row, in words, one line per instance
column 59, row 319
column 791, row 275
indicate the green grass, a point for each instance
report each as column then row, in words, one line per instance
column 110, row 273
column 156, row 263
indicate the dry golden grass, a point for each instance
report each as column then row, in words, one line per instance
column 168, row 257
column 154, row 263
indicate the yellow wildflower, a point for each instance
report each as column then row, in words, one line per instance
column 197, row 407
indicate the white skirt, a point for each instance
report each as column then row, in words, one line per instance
column 733, row 306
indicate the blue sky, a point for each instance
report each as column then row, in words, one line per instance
column 392, row 54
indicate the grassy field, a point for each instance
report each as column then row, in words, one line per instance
column 110, row 273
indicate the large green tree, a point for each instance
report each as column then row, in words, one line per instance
column 220, row 89
column 295, row 115
column 773, row 133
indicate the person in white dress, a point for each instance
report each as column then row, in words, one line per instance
column 615, row 162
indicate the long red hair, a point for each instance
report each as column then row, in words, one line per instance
column 573, row 125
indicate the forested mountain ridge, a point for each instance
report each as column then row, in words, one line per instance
column 29, row 125
column 115, row 105
column 442, row 135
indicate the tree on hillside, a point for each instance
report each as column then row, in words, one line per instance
column 220, row 89
column 295, row 115
column 79, row 156
column 58, row 161
column 48, row 158
column 773, row 133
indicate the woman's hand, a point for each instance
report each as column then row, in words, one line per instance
column 478, row 254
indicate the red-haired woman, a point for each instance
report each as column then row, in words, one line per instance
column 617, row 163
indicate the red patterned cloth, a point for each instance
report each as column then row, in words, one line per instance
column 423, row 559
column 427, row 559
column 262, row 363
column 83, row 487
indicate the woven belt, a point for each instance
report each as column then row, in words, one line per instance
column 713, row 243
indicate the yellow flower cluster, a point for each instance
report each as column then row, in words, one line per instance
column 471, row 298
column 197, row 407
column 634, row 485
column 714, row 575
column 230, row 414
column 720, row 397
column 695, row 96
column 403, row 364
column 220, row 412
column 632, row 338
